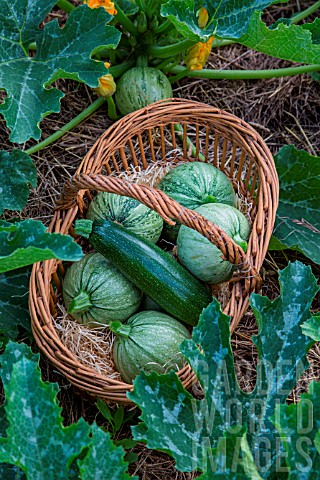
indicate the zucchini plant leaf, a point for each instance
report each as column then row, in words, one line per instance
column 231, row 459
column 189, row 429
column 297, row 223
column 227, row 19
column 311, row 328
column 17, row 173
column 297, row 43
column 27, row 242
column 36, row 440
column 32, row 436
column 14, row 290
column 61, row 53
column 298, row 425
column 104, row 460
column 7, row 471
column 13, row 353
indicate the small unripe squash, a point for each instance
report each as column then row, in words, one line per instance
column 148, row 341
column 140, row 86
column 128, row 212
column 95, row 291
column 199, row 255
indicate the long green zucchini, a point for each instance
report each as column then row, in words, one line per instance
column 151, row 269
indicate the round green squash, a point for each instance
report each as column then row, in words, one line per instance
column 194, row 184
column 199, row 255
column 128, row 212
column 94, row 291
column 140, row 86
column 148, row 341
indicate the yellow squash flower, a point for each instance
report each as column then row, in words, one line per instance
column 198, row 54
column 109, row 6
column 203, row 17
column 107, row 85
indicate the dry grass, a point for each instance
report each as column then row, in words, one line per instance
column 283, row 111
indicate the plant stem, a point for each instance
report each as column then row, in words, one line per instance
column 246, row 74
column 163, row 27
column 112, row 113
column 122, row 18
column 220, row 42
column 169, row 50
column 179, row 76
column 118, row 70
column 141, row 5
column 161, row 64
column 68, row 126
column 65, row 6
column 305, row 13
column 81, row 303
column 179, row 129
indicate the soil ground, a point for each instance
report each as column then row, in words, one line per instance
column 284, row 111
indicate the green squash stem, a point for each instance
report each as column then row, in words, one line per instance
column 81, row 303
column 120, row 329
column 242, row 243
column 210, row 199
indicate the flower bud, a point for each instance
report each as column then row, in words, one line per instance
column 203, row 17
column 107, row 85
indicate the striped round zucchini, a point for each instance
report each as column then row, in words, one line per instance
column 128, row 212
column 140, row 86
column 148, row 341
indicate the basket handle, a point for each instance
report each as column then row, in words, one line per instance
column 168, row 209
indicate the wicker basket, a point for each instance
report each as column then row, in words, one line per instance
column 139, row 139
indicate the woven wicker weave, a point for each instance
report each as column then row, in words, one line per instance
column 137, row 140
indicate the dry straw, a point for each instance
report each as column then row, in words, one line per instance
column 140, row 139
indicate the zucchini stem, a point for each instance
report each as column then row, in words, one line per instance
column 65, row 6
column 169, row 50
column 122, row 18
column 163, row 27
column 246, row 74
column 305, row 13
column 179, row 129
column 68, row 126
column 112, row 112
column 120, row 329
column 80, row 304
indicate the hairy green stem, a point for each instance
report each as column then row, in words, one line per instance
column 246, row 74
column 122, row 18
column 305, row 13
column 68, row 126
column 169, row 50
column 65, row 6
